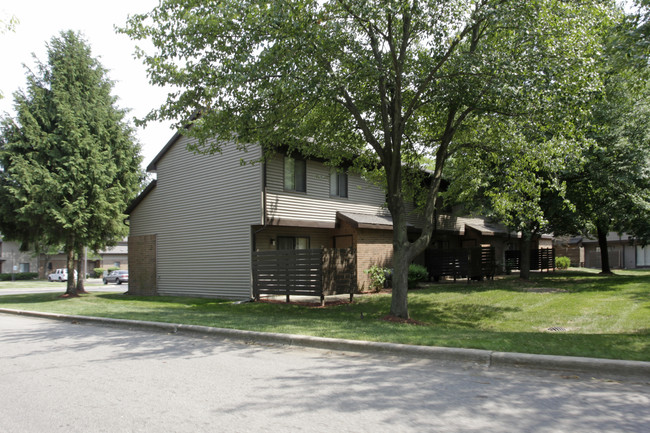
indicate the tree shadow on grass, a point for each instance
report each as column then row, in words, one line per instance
column 572, row 282
column 456, row 315
column 32, row 298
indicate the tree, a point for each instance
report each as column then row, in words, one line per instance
column 516, row 179
column 69, row 161
column 611, row 188
column 377, row 81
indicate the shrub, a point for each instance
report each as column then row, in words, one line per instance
column 417, row 273
column 19, row 276
column 98, row 272
column 562, row 262
column 377, row 277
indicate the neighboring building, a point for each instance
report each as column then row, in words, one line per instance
column 113, row 257
column 193, row 229
column 12, row 260
column 624, row 251
column 110, row 257
column 571, row 247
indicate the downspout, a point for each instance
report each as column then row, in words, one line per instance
column 264, row 225
column 264, row 217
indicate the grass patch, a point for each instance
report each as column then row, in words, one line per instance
column 602, row 316
column 28, row 284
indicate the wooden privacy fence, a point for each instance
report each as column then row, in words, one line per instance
column 311, row 272
column 472, row 263
column 541, row 259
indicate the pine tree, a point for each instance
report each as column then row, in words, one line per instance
column 69, row 162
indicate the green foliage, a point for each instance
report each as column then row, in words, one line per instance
column 70, row 165
column 377, row 277
column 417, row 273
column 388, row 84
column 19, row 276
column 562, row 262
column 610, row 188
column 97, row 272
column 8, row 24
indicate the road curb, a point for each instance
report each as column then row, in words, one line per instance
column 597, row 367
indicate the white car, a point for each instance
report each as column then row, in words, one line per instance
column 60, row 274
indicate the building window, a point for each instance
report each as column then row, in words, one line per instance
column 116, row 264
column 295, row 174
column 24, row 267
column 293, row 243
column 642, row 255
column 338, row 184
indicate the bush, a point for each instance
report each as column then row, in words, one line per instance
column 19, row 276
column 417, row 273
column 98, row 272
column 377, row 277
column 562, row 262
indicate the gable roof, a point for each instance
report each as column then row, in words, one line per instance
column 153, row 165
column 136, row 201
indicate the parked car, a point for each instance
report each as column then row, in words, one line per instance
column 117, row 277
column 60, row 274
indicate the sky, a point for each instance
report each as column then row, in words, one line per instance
column 40, row 20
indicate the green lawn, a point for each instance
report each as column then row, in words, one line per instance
column 606, row 317
column 42, row 284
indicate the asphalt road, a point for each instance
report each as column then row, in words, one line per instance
column 65, row 377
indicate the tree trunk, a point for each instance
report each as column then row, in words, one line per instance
column 399, row 298
column 604, row 253
column 80, row 277
column 524, row 261
column 71, row 288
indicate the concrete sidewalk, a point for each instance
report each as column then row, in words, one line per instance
column 595, row 367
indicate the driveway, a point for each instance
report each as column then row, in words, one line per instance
column 69, row 377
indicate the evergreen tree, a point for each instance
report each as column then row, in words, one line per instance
column 69, row 161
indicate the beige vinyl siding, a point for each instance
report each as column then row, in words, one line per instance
column 316, row 204
column 201, row 212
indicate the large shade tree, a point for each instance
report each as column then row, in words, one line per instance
column 387, row 81
column 69, row 163
column 610, row 188
column 516, row 179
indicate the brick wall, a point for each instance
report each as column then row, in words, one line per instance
column 374, row 247
column 142, row 265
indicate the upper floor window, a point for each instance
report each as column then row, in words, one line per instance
column 338, row 184
column 295, row 174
